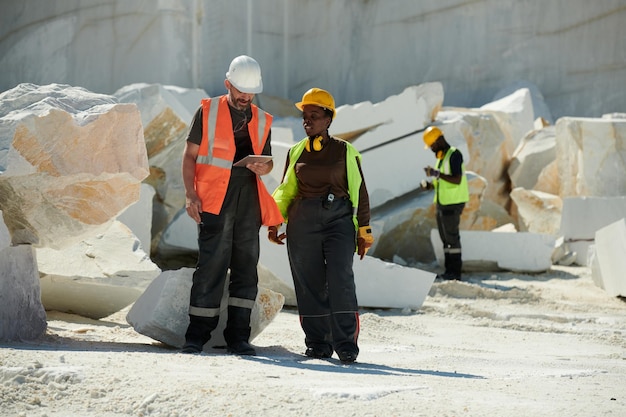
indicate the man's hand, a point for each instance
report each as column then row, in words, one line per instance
column 364, row 240
column 261, row 168
column 194, row 207
column 431, row 172
column 274, row 237
column 426, row 185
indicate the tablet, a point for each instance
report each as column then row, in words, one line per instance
column 250, row 159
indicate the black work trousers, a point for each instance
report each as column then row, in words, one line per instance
column 448, row 219
column 321, row 242
column 226, row 241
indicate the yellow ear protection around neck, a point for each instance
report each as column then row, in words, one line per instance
column 440, row 154
column 317, row 143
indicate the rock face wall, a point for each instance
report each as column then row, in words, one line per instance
column 359, row 50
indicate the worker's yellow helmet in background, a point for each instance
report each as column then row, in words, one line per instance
column 431, row 134
column 318, row 97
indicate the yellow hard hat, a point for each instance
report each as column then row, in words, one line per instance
column 431, row 134
column 318, row 97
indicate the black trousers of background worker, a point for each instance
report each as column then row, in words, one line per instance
column 321, row 240
column 229, row 240
column 448, row 219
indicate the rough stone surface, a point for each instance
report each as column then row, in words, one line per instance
column 492, row 251
column 162, row 310
column 589, row 154
column 75, row 161
column 98, row 276
column 610, row 260
column 22, row 316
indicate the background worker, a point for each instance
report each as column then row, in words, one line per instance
column 229, row 204
column 324, row 200
column 451, row 194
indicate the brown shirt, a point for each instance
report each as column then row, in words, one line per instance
column 322, row 172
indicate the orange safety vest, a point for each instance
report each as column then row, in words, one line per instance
column 216, row 154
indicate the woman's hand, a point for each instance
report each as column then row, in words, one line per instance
column 274, row 237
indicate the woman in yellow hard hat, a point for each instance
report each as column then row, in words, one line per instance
column 324, row 201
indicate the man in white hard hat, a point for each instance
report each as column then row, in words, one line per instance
column 229, row 203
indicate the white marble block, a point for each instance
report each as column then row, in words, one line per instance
column 22, row 316
column 162, row 311
column 610, row 259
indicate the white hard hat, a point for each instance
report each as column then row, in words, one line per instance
column 244, row 74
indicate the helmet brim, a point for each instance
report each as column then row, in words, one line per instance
column 300, row 106
column 249, row 90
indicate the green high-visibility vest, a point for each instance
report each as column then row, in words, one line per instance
column 288, row 188
column 447, row 193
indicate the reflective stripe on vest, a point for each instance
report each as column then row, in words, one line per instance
column 208, row 133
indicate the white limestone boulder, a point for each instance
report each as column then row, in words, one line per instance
column 536, row 211
column 591, row 155
column 166, row 114
column 534, row 154
column 514, row 111
column 162, row 311
column 492, row 251
column 609, row 262
column 5, row 237
column 166, row 111
column 22, row 316
column 367, row 124
column 138, row 217
column 388, row 135
column 96, row 277
column 582, row 217
column 541, row 110
column 180, row 237
column 74, row 161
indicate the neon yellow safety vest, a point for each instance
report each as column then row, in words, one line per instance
column 447, row 193
column 288, row 189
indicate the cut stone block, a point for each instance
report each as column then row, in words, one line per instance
column 5, row 236
column 378, row 284
column 390, row 130
column 519, row 251
column 97, row 277
column 534, row 153
column 162, row 311
column 138, row 217
column 597, row 212
column 22, row 316
column 537, row 212
column 591, row 156
column 610, row 255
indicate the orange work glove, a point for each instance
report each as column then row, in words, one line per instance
column 274, row 237
column 364, row 240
